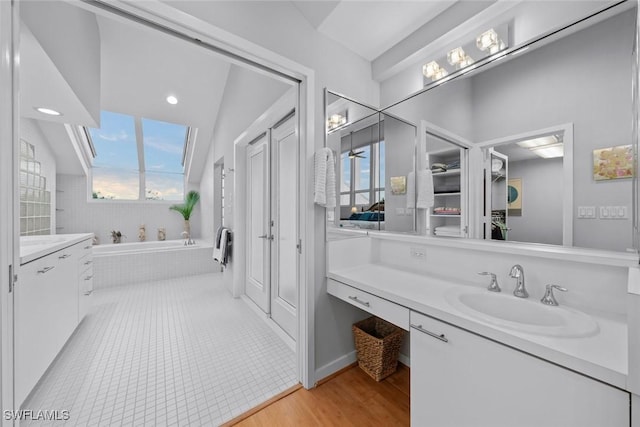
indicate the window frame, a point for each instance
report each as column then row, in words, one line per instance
column 374, row 188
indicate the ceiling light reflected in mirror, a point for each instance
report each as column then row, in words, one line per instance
column 547, row 147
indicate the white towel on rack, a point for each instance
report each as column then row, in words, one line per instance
column 424, row 184
column 411, row 190
column 325, row 178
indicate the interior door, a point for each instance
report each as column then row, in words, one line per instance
column 496, row 196
column 258, row 227
column 284, row 249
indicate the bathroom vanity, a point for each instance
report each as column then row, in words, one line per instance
column 52, row 296
column 479, row 357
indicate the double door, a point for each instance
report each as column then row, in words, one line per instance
column 272, row 225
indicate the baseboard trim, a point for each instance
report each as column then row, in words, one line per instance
column 404, row 360
column 335, row 366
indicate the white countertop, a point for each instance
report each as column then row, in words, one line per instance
column 602, row 356
column 34, row 247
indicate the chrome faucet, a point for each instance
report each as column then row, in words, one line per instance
column 517, row 272
column 493, row 286
column 549, row 298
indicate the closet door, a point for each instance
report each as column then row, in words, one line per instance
column 258, row 227
column 284, row 264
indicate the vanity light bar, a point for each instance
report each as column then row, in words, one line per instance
column 464, row 55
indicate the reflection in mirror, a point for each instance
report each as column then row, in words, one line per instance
column 538, row 160
column 372, row 180
column 558, row 85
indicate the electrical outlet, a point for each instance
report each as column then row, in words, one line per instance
column 586, row 212
column 417, row 252
column 613, row 212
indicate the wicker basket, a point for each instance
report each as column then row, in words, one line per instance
column 377, row 346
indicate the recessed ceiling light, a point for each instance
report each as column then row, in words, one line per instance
column 48, row 111
column 172, row 100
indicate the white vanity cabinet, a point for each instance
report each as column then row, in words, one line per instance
column 462, row 379
column 46, row 313
column 85, row 279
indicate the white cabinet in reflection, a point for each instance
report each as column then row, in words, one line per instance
column 448, row 165
column 462, row 379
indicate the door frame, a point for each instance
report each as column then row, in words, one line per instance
column 156, row 13
column 278, row 306
column 9, row 218
column 567, row 172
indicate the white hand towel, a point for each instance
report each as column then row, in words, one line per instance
column 320, row 173
column 411, row 190
column 425, row 189
column 325, row 178
column 331, row 180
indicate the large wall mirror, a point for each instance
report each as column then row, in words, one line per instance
column 374, row 184
column 537, row 145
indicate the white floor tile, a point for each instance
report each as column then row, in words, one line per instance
column 173, row 352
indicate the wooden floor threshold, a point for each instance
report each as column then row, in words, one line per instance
column 261, row 406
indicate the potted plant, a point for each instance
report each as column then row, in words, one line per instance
column 190, row 201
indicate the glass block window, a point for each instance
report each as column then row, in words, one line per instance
column 35, row 199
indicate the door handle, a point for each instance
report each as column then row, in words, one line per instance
column 264, row 236
column 65, row 256
column 46, row 269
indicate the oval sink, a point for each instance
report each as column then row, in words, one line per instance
column 524, row 315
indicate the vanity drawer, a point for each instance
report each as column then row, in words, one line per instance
column 391, row 312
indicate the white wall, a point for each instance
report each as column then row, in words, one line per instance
column 30, row 131
column 542, row 183
column 79, row 215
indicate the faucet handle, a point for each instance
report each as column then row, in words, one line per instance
column 549, row 298
column 493, row 286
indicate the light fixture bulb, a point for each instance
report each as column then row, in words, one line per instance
column 466, row 61
column 429, row 70
column 440, row 74
column 487, row 40
column 48, row 111
column 172, row 100
column 456, row 56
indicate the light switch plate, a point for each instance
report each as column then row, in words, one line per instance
column 586, row 212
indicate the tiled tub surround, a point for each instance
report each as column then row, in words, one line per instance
column 416, row 273
column 127, row 263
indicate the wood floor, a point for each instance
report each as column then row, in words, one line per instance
column 351, row 398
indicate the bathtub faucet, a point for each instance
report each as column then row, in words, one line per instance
column 188, row 241
column 116, row 236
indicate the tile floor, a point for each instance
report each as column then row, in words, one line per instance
column 173, row 352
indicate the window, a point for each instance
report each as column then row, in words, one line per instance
column 119, row 172
column 362, row 178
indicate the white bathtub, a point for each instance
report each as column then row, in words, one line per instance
column 129, row 263
column 140, row 247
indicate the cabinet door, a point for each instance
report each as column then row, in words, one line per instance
column 46, row 314
column 461, row 379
